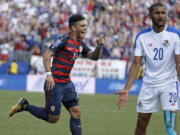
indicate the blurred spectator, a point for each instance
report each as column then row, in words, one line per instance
column 36, row 51
column 13, row 69
column 26, row 24
column 4, row 49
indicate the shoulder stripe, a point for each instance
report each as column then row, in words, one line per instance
column 142, row 32
column 173, row 30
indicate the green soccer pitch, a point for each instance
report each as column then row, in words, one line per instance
column 100, row 116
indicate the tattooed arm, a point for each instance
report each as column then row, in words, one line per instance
column 49, row 82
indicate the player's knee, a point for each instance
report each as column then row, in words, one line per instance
column 142, row 122
column 75, row 112
column 53, row 119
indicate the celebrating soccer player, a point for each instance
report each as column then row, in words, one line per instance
column 58, row 85
column 159, row 45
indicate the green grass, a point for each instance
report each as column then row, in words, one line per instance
column 100, row 116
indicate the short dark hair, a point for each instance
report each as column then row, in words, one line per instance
column 155, row 5
column 75, row 18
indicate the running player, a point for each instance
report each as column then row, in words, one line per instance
column 58, row 85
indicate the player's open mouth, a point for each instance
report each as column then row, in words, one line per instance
column 82, row 34
column 160, row 20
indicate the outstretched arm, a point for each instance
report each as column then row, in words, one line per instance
column 95, row 55
column 123, row 94
column 134, row 69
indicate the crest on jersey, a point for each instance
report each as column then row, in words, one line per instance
column 52, row 108
column 166, row 43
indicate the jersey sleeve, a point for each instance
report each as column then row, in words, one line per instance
column 138, row 50
column 85, row 49
column 177, row 45
column 57, row 44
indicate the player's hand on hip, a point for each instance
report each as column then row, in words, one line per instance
column 101, row 40
column 49, row 82
column 122, row 97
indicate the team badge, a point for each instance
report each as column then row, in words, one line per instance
column 52, row 108
column 166, row 43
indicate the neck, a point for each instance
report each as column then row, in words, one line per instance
column 73, row 36
column 158, row 28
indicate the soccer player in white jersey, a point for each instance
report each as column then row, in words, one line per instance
column 159, row 45
column 179, row 89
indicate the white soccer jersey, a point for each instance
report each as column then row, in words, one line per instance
column 158, row 50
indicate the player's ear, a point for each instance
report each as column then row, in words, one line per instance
column 73, row 27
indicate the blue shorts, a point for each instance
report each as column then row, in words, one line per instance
column 61, row 93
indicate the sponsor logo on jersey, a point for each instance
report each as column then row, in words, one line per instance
column 150, row 44
column 173, row 104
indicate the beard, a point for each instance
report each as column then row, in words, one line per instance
column 159, row 23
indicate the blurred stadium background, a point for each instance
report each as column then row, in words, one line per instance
column 25, row 29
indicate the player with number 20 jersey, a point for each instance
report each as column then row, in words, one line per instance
column 160, row 76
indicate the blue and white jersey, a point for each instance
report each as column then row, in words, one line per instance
column 158, row 50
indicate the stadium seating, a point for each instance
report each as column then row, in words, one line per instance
column 23, row 68
column 4, row 68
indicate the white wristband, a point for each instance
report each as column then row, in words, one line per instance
column 48, row 73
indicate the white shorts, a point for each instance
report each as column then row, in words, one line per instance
column 150, row 98
column 179, row 97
